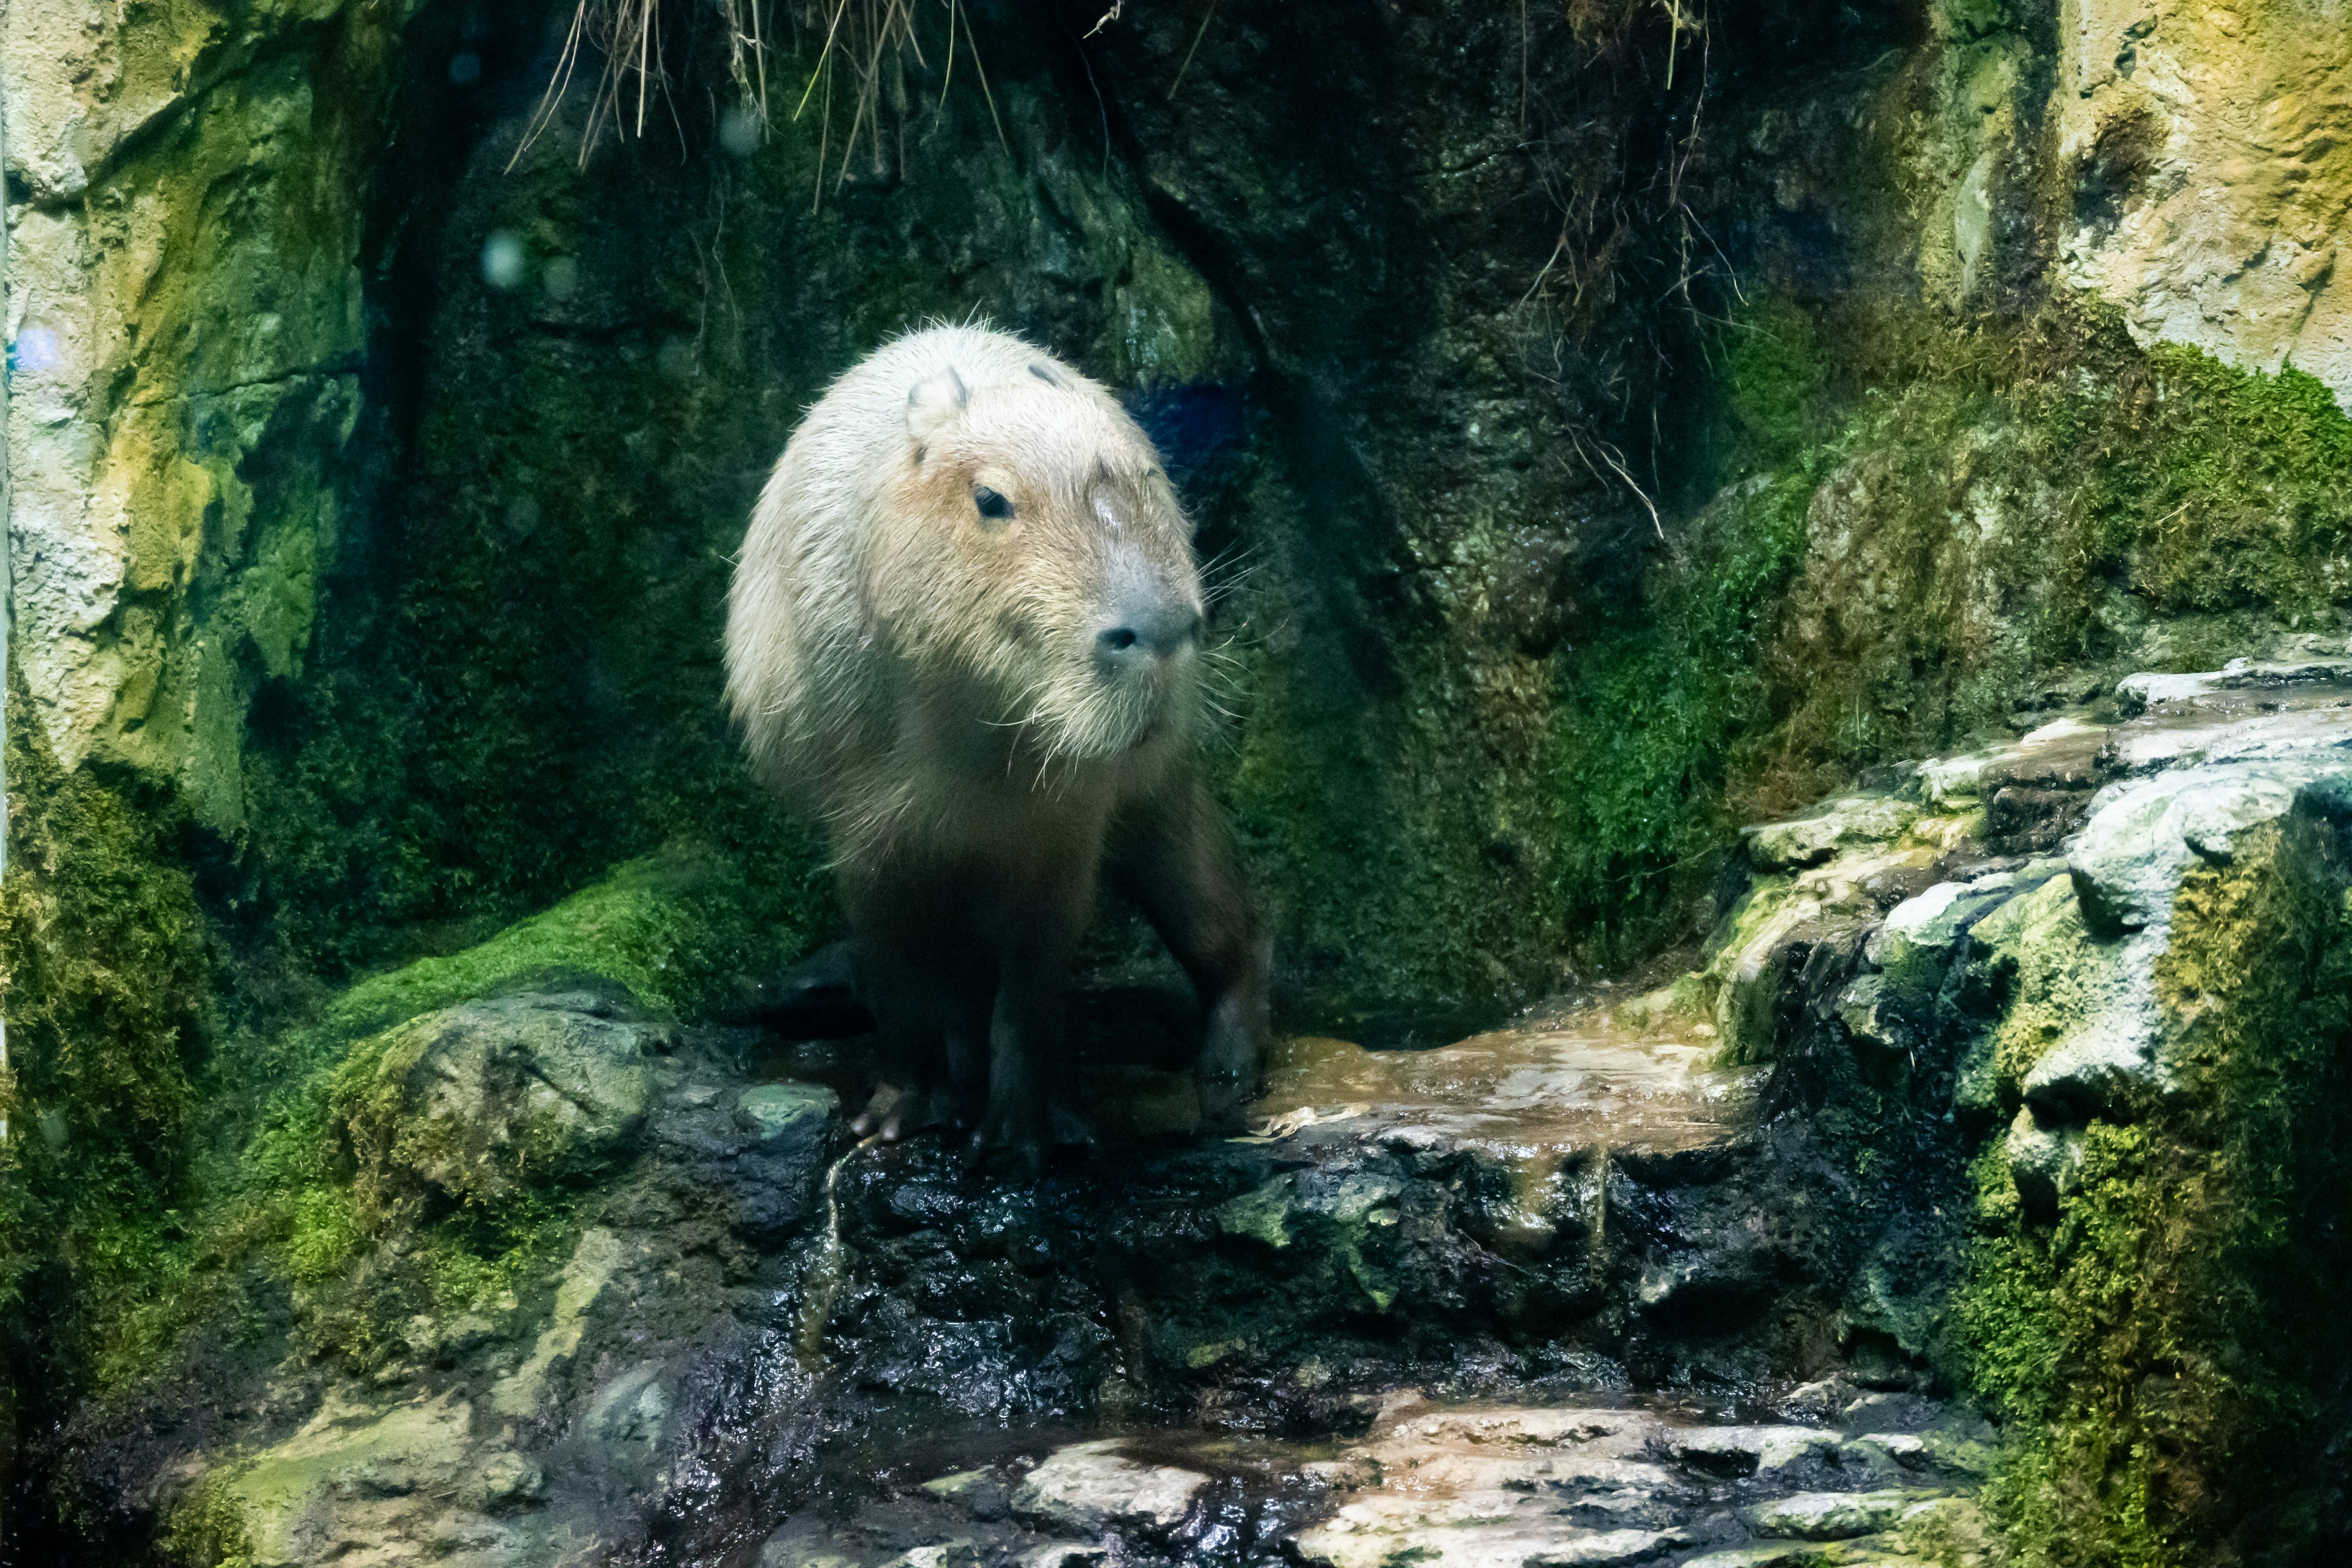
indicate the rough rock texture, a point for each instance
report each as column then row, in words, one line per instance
column 674, row 1213
column 187, row 197
column 1459, row 1486
column 575, row 1274
column 2212, row 184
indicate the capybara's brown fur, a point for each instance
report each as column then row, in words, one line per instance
column 964, row 633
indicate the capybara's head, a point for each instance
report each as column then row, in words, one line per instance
column 1033, row 553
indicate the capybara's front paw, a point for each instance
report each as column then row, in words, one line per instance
column 1224, row 1102
column 1026, row 1130
column 1015, row 1130
column 894, row 1113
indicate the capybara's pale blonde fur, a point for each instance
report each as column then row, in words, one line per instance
column 963, row 633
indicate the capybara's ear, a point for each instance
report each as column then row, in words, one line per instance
column 933, row 404
column 1051, row 375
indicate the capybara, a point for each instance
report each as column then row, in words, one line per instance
column 964, row 633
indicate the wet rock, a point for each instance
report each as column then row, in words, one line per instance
column 2144, row 836
column 1063, row 1554
column 978, row 1493
column 1886, row 1453
column 946, row 1554
column 1502, row 1530
column 2043, row 1162
column 1812, row 839
column 1090, row 1487
column 2061, row 755
column 477, row 1101
column 1769, row 1554
column 792, row 1129
column 2151, row 689
column 630, row 1408
column 1833, row 1516
column 1746, row 1450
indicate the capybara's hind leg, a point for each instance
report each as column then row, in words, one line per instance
column 889, row 948
column 1027, row 1112
column 1177, row 860
column 968, row 1051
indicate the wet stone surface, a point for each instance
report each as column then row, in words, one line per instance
column 1544, row 1295
column 1460, row 1485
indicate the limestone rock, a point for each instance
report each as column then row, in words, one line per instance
column 354, row 1479
column 1089, row 1488
column 2209, row 134
column 2043, row 1161
column 1812, row 839
column 481, row 1099
column 1886, row 1453
column 978, row 1493
column 1833, row 1516
column 1746, row 1450
column 2143, row 835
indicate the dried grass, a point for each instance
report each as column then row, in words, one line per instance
column 863, row 53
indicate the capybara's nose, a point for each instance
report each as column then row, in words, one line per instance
column 1146, row 632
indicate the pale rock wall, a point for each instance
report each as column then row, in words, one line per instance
column 182, row 293
column 2219, row 131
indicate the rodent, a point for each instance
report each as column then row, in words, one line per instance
column 965, row 633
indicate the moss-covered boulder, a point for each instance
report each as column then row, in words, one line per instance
column 475, row 1102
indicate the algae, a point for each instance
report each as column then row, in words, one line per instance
column 2160, row 1354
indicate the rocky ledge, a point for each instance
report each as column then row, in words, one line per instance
column 1675, row 1274
column 1887, row 1479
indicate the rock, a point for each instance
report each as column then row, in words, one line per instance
column 1812, row 839
column 1965, row 1451
column 630, row 1408
column 1062, row 1555
column 1746, row 1450
column 777, row 1113
column 353, row 1477
column 977, row 1492
column 1089, row 1488
column 1769, row 1554
column 1886, row 1453
column 957, row 1553
column 793, row 1128
column 507, row 1480
column 1262, row 1214
column 2084, row 1014
column 2142, row 836
column 2156, row 690
column 595, row 1258
column 2100, row 1068
column 1499, row 1530
column 1874, row 1019
column 2061, row 754
column 482, row 1098
column 1833, row 1516
column 2164, row 118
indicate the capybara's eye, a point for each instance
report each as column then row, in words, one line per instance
column 991, row 505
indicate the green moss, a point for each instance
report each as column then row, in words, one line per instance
column 2160, row 1356
column 301, row 1194
column 208, row 1529
column 104, row 970
column 1652, row 711
column 1774, row 374
column 1917, row 578
column 677, row 929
